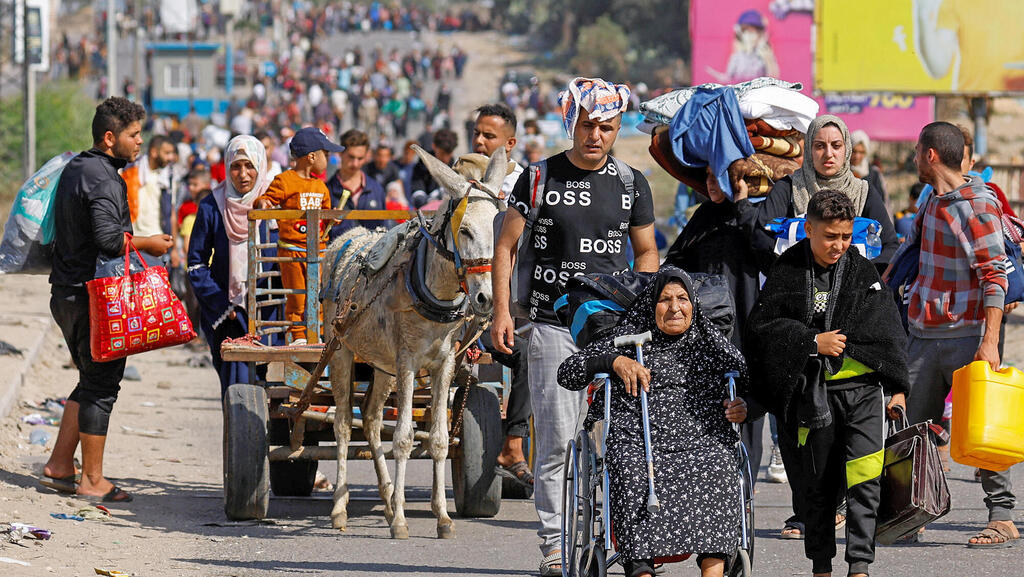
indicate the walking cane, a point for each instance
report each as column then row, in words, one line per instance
column 653, row 506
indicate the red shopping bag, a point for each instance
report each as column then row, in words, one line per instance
column 134, row 313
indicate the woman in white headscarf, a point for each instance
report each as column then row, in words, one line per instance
column 860, row 163
column 217, row 252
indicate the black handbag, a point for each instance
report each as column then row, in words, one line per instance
column 914, row 490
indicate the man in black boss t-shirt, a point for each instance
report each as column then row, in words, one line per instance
column 585, row 219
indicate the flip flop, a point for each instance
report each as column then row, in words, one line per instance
column 996, row 530
column 115, row 495
column 518, row 472
column 67, row 484
column 790, row 527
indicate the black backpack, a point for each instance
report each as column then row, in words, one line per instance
column 593, row 304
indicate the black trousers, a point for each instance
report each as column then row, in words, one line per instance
column 844, row 458
column 98, row 383
column 517, row 417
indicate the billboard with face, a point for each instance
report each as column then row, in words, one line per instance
column 736, row 40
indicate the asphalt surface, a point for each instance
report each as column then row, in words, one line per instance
column 166, row 449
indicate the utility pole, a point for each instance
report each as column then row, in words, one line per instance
column 138, row 49
column 29, row 104
column 112, row 84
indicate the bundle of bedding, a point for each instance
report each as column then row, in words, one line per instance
column 752, row 131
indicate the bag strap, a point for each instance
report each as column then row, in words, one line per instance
column 538, row 179
column 128, row 247
column 625, row 174
column 897, row 425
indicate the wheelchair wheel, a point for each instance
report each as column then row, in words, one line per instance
column 595, row 562
column 577, row 507
column 748, row 506
column 740, row 564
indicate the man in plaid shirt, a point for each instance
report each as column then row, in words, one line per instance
column 956, row 303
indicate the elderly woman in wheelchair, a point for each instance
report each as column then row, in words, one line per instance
column 674, row 467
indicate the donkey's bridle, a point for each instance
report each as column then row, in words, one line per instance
column 467, row 266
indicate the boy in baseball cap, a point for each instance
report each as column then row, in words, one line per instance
column 298, row 189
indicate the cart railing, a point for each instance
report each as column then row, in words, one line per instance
column 260, row 299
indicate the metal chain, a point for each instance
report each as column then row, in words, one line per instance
column 457, row 421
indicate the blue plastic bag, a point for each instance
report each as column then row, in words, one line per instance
column 867, row 235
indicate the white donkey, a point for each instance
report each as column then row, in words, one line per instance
column 405, row 318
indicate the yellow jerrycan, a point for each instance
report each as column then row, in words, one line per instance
column 988, row 417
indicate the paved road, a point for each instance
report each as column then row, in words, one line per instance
column 176, row 479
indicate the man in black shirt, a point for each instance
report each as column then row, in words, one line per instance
column 383, row 169
column 90, row 220
column 423, row 189
column 586, row 216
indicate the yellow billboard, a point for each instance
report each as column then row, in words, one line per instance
column 919, row 46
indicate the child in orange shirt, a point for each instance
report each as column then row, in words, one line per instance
column 299, row 189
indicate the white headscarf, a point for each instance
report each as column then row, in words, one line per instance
column 864, row 167
column 234, row 208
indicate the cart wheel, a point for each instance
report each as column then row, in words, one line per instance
column 290, row 478
column 476, row 486
column 577, row 507
column 246, row 483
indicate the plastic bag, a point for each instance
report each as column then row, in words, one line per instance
column 30, row 226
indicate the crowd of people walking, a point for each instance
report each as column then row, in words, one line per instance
column 818, row 342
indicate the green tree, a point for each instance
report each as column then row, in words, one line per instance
column 63, row 122
column 657, row 31
column 601, row 49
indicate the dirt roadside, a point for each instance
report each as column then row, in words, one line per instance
column 163, row 447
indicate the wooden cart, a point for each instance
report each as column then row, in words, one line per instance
column 267, row 449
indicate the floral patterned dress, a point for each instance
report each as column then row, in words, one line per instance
column 695, row 462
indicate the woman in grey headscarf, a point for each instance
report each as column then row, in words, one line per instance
column 827, row 151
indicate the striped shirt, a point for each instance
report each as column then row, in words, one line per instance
column 963, row 263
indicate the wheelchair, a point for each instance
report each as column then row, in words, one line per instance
column 587, row 540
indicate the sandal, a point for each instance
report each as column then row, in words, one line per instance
column 1001, row 534
column 551, row 565
column 792, row 530
column 518, row 472
column 68, row 485
column 114, row 495
column 840, row 521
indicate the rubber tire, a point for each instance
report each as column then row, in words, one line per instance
column 476, row 485
column 598, row 563
column 290, row 478
column 577, row 520
column 246, row 467
column 741, row 566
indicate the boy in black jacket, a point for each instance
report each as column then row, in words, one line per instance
column 828, row 344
